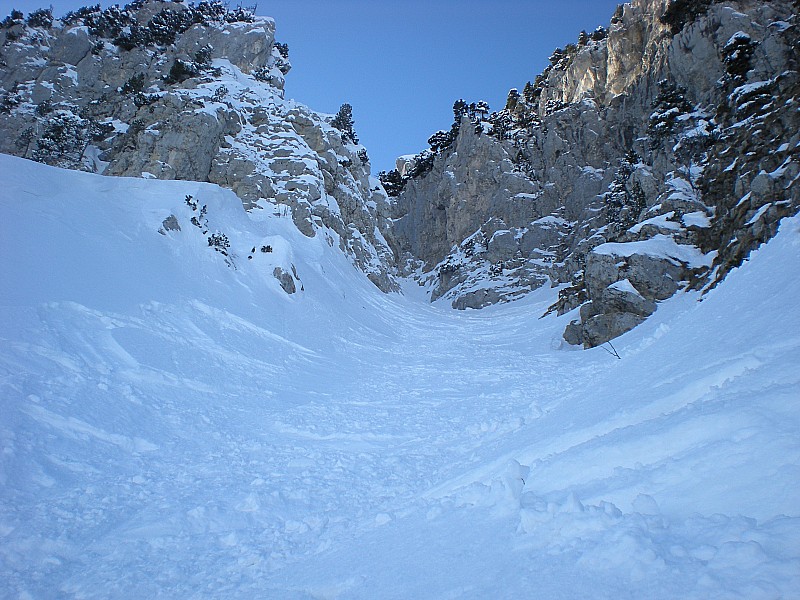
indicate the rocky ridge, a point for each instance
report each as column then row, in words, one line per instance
column 171, row 90
column 649, row 157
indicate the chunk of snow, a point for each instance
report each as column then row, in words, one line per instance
column 759, row 213
column 626, row 286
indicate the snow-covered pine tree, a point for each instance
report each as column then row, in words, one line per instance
column 668, row 106
column 343, row 121
column 624, row 200
column 737, row 54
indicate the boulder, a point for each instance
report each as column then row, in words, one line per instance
column 285, row 279
column 169, row 224
column 476, row 299
column 656, row 275
column 573, row 334
column 503, row 246
column 605, row 327
column 622, row 297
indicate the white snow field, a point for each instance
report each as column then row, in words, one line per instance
column 174, row 427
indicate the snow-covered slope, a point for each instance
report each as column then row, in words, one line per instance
column 175, row 427
column 170, row 90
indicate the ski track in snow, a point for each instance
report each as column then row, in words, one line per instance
column 347, row 444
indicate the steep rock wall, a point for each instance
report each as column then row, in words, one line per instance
column 625, row 152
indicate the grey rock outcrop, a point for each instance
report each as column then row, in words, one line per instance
column 286, row 280
column 169, row 224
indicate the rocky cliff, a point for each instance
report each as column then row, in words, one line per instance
column 171, row 90
column 649, row 157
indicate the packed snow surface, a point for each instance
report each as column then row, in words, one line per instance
column 174, row 425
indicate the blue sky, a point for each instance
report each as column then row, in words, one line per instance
column 402, row 64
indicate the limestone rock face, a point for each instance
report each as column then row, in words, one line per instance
column 206, row 106
column 450, row 204
column 650, row 157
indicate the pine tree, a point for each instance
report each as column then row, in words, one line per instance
column 501, row 124
column 624, row 200
column 459, row 110
column 181, row 71
column 11, row 99
column 530, row 93
column 681, row 12
column 441, row 140
column 63, row 140
column 481, row 110
column 14, row 18
column 220, row 243
column 669, row 105
column 392, row 182
column 42, row 17
column 737, row 55
column 343, row 121
column 599, row 34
